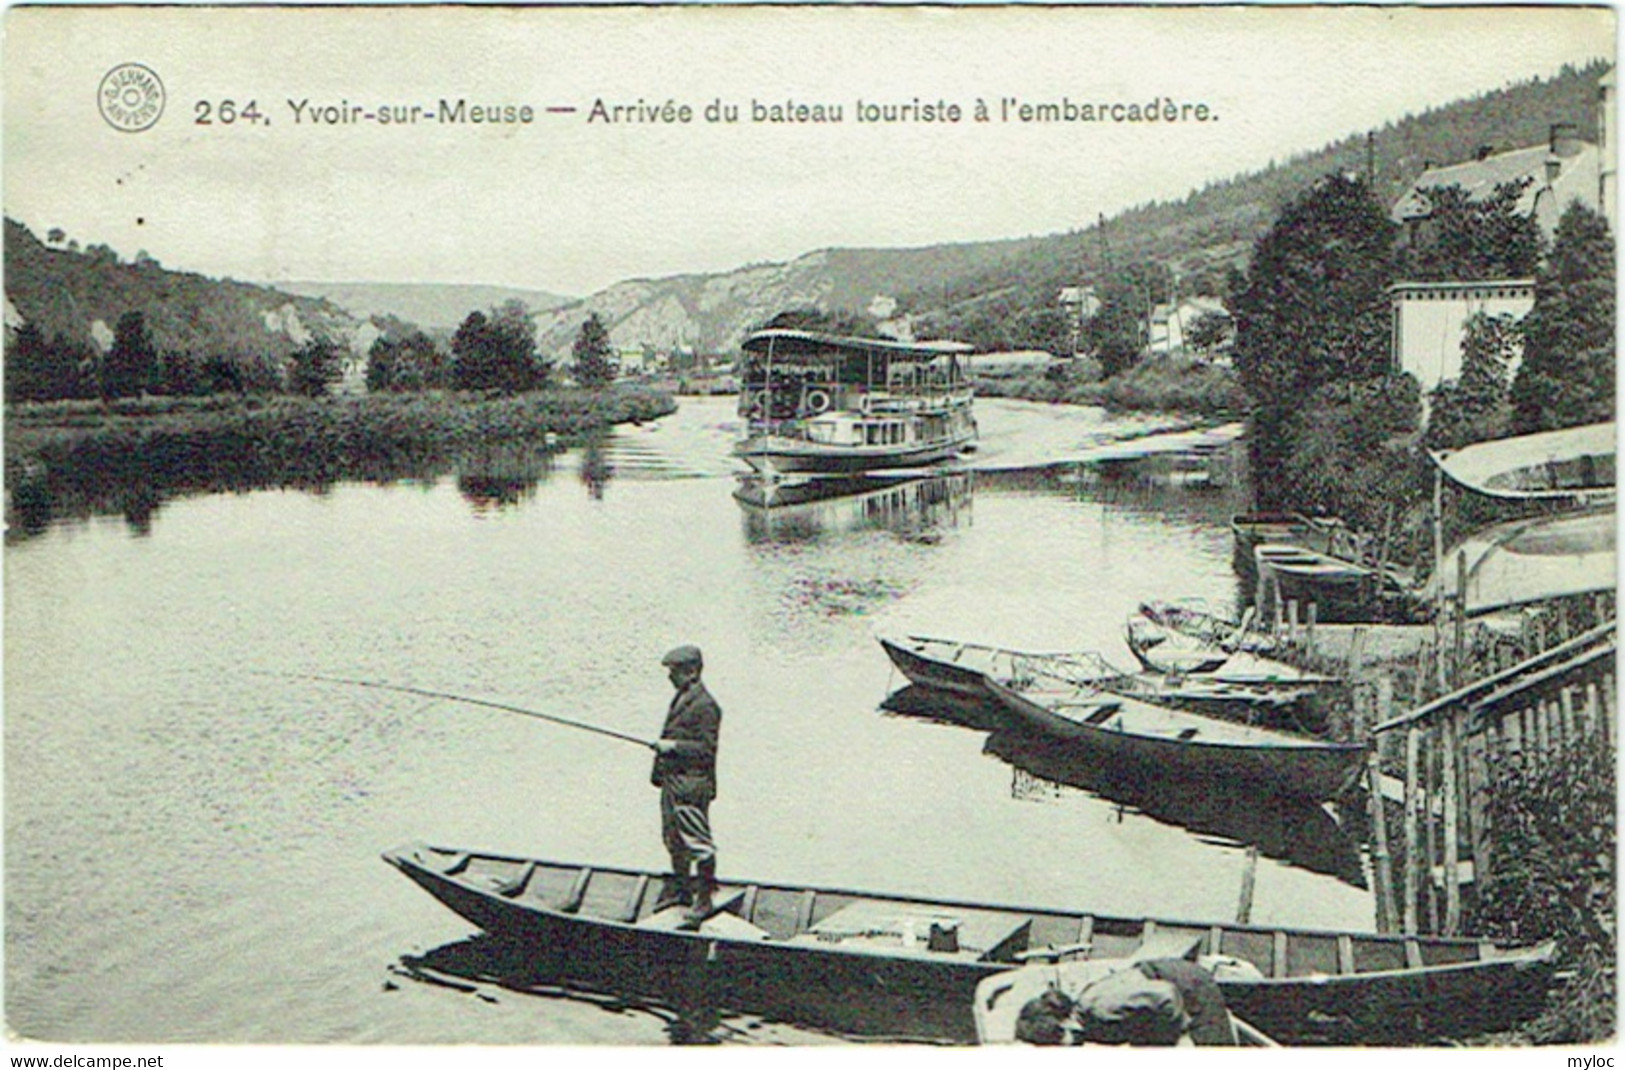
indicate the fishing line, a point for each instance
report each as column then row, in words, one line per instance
column 505, row 707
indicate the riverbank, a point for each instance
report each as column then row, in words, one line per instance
column 1168, row 384
column 61, row 450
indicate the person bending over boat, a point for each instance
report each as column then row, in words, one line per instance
column 685, row 771
column 1156, row 1002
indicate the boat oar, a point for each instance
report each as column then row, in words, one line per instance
column 505, row 707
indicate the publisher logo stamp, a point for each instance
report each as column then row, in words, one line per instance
column 131, row 98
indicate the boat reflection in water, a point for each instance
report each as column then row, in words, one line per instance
column 806, row 510
column 1285, row 829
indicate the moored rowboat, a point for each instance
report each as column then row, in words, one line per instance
column 920, row 960
column 1168, row 742
column 962, row 669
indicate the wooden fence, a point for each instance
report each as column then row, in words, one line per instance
column 1535, row 710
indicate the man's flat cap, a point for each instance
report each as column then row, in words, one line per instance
column 683, row 655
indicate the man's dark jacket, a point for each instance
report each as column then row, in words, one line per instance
column 695, row 722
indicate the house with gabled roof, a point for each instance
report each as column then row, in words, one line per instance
column 1562, row 170
column 1429, row 318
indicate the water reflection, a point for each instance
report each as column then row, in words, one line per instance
column 699, row 1001
column 1285, row 829
column 502, row 475
column 596, row 470
column 136, row 486
column 917, row 509
column 1288, row 830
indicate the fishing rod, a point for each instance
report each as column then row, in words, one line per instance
column 553, row 718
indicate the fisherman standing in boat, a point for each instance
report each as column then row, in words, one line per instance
column 685, row 771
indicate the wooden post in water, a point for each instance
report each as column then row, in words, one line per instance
column 1413, row 740
column 1452, row 874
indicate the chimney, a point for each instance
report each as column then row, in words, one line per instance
column 1565, row 139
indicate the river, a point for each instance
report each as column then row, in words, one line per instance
column 192, row 835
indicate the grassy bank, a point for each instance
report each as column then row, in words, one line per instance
column 81, row 457
column 1168, row 384
column 53, row 433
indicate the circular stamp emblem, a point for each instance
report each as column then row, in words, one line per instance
column 131, row 97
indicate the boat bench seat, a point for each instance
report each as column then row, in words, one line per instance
column 1104, row 713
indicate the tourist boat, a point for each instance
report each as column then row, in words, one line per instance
column 963, row 669
column 837, row 404
column 1162, row 741
column 912, row 965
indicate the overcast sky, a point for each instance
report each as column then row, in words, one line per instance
column 569, row 205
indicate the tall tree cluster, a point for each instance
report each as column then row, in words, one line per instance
column 1312, row 351
column 498, row 351
column 1567, row 375
column 595, row 363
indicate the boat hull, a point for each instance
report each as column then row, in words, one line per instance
column 964, row 681
column 777, row 949
column 1316, row 771
column 779, row 456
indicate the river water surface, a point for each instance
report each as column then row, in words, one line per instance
column 192, row 841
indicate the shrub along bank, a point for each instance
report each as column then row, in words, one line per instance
column 292, row 437
column 1166, row 384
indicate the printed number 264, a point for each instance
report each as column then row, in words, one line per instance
column 225, row 112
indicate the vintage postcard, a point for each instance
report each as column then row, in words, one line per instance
column 808, row 526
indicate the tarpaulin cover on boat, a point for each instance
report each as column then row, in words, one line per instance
column 1529, row 560
column 1552, row 464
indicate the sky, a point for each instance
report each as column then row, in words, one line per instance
column 571, row 203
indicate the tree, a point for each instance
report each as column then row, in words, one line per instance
column 595, row 365
column 1567, row 375
column 1208, row 330
column 1474, row 408
column 28, row 366
column 1313, row 312
column 412, row 362
column 498, row 352
column 315, row 367
column 131, row 365
column 56, row 235
column 1469, row 240
column 1315, row 305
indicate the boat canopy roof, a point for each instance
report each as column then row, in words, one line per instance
column 1525, row 561
column 811, row 347
column 1576, row 461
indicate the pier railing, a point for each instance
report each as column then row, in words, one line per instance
column 1556, row 702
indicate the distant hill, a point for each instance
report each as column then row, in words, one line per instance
column 985, row 293
column 78, row 296
column 433, row 306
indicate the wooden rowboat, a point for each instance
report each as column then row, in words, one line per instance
column 915, row 963
column 1257, row 690
column 1165, row 742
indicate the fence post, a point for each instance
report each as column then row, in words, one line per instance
column 1413, row 740
column 1452, row 874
